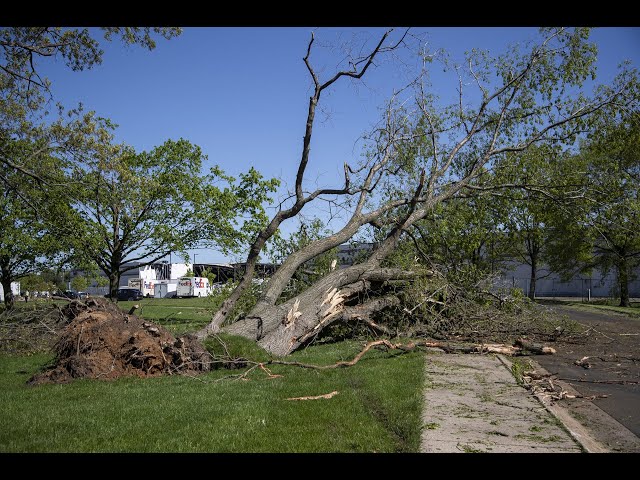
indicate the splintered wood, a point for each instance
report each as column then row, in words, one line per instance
column 326, row 396
column 334, row 301
column 293, row 314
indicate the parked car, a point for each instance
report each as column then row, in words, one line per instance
column 70, row 294
column 129, row 294
column 83, row 295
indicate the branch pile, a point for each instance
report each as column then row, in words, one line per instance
column 30, row 329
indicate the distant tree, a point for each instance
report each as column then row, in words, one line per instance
column 80, row 283
column 133, row 209
column 27, row 243
column 463, row 235
column 209, row 275
column 550, row 180
column 604, row 229
column 25, row 95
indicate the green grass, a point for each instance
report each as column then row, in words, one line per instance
column 518, row 369
column 598, row 305
column 178, row 315
column 633, row 311
column 377, row 409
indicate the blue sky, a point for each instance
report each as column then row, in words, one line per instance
column 241, row 93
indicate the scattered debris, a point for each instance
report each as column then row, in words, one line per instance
column 326, row 396
column 544, row 386
column 583, row 362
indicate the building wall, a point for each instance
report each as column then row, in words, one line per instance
column 156, row 271
column 348, row 253
column 15, row 289
column 550, row 285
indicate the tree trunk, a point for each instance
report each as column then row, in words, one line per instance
column 221, row 314
column 623, row 280
column 534, row 275
column 114, row 284
column 9, row 301
column 281, row 329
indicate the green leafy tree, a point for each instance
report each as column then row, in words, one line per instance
column 24, row 47
column 26, row 241
column 209, row 275
column 545, row 181
column 430, row 153
column 603, row 230
column 80, row 283
column 132, row 209
column 36, row 145
column 25, row 95
column 462, row 235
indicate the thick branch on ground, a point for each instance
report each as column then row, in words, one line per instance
column 408, row 347
column 363, row 312
column 320, row 305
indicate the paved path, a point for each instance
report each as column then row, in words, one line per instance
column 473, row 404
column 612, row 348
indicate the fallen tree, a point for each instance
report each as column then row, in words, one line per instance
column 98, row 340
column 422, row 155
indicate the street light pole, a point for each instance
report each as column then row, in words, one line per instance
column 194, row 264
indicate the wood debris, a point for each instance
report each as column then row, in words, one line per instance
column 326, row 396
column 583, row 363
column 292, row 315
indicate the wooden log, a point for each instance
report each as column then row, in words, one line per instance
column 532, row 347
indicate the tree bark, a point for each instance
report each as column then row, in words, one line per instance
column 534, row 275
column 5, row 278
column 281, row 329
column 623, row 281
column 114, row 280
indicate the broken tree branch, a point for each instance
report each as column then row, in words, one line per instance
column 326, row 396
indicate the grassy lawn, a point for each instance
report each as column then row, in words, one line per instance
column 598, row 305
column 633, row 311
column 178, row 315
column 377, row 409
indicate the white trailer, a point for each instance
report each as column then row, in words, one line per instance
column 147, row 287
column 193, row 287
column 165, row 288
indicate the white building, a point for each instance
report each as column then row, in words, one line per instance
column 15, row 289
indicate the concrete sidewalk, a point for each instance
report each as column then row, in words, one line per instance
column 472, row 403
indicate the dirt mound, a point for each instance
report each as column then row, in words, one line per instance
column 101, row 341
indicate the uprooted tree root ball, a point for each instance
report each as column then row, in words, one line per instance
column 101, row 341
